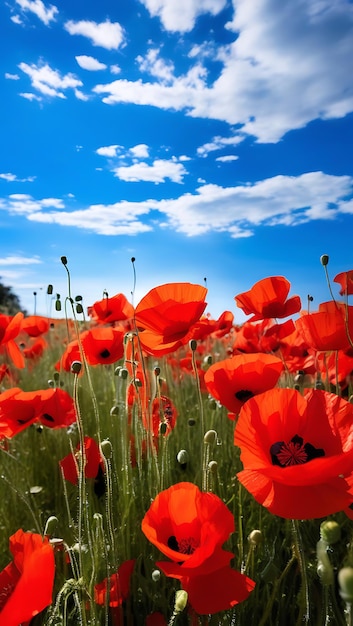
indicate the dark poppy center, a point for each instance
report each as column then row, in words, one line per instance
column 294, row 452
column 105, row 353
column 48, row 417
column 185, row 546
column 243, row 395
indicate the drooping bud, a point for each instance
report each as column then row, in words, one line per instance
column 210, row 437
column 156, row 575
column 345, row 581
column 106, row 449
column 182, row 457
column 330, row 531
column 181, row 599
column 255, row 537
column 63, row 259
column 50, row 525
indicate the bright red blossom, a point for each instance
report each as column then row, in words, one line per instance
column 9, row 329
column 233, row 381
column 103, row 345
column 345, row 280
column 326, row 329
column 297, row 452
column 26, row 584
column 110, row 310
column 165, row 316
column 69, row 464
column 268, row 299
column 190, row 527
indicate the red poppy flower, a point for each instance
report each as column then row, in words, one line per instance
column 56, row 408
column 109, row 310
column 9, row 329
column 35, row 325
column 345, row 279
column 190, row 526
column 26, row 584
column 69, row 463
column 119, row 586
column 34, row 350
column 233, row 381
column 103, row 345
column 326, row 329
column 164, row 415
column 18, row 410
column 263, row 336
column 268, row 299
column 167, row 313
column 71, row 354
column 297, row 452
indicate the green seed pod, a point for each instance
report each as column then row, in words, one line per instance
column 76, row 367
column 210, row 437
column 182, row 457
column 106, row 449
column 330, row 531
column 345, row 581
column 324, row 259
column 255, row 537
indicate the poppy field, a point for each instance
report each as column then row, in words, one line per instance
column 159, row 467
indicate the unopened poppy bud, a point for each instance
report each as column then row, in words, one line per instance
column 49, row 290
column 210, row 436
column 212, row 404
column 79, row 308
column 163, row 428
column 57, row 305
column 255, row 537
column 106, row 449
column 208, row 359
column 123, row 373
column 76, row 367
column 157, row 371
column 56, row 376
column 156, row 574
column 137, row 382
column 330, row 531
column 324, row 259
column 324, row 567
column 63, row 260
column 345, row 581
column 182, row 457
column 193, row 345
column 191, row 421
column 114, row 410
column 181, row 599
column 51, row 383
column 50, row 525
column 213, row 467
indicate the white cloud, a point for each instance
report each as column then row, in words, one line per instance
column 90, row 63
column 181, row 15
column 109, row 35
column 19, row 260
column 108, row 151
column 24, row 204
column 49, row 82
column 12, row 76
column 80, row 95
column 30, row 96
column 218, row 143
column 286, row 200
column 156, row 66
column 287, row 67
column 140, row 151
column 11, row 178
column 115, row 69
column 45, row 14
column 227, row 158
column 16, row 19
column 158, row 172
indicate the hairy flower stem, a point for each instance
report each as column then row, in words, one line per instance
column 304, row 615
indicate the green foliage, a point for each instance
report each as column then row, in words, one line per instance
column 9, row 301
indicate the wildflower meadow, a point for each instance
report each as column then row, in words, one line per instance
column 161, row 467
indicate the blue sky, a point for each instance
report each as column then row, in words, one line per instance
column 207, row 138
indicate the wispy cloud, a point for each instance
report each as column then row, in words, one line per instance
column 180, row 15
column 12, row 76
column 13, row 178
column 18, row 260
column 90, row 63
column 228, row 158
column 109, row 35
column 49, row 82
column 108, row 151
column 44, row 13
column 286, row 200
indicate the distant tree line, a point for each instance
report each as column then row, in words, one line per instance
column 9, row 303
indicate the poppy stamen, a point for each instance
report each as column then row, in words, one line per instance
column 104, row 354
column 294, row 452
column 184, row 546
column 244, row 394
